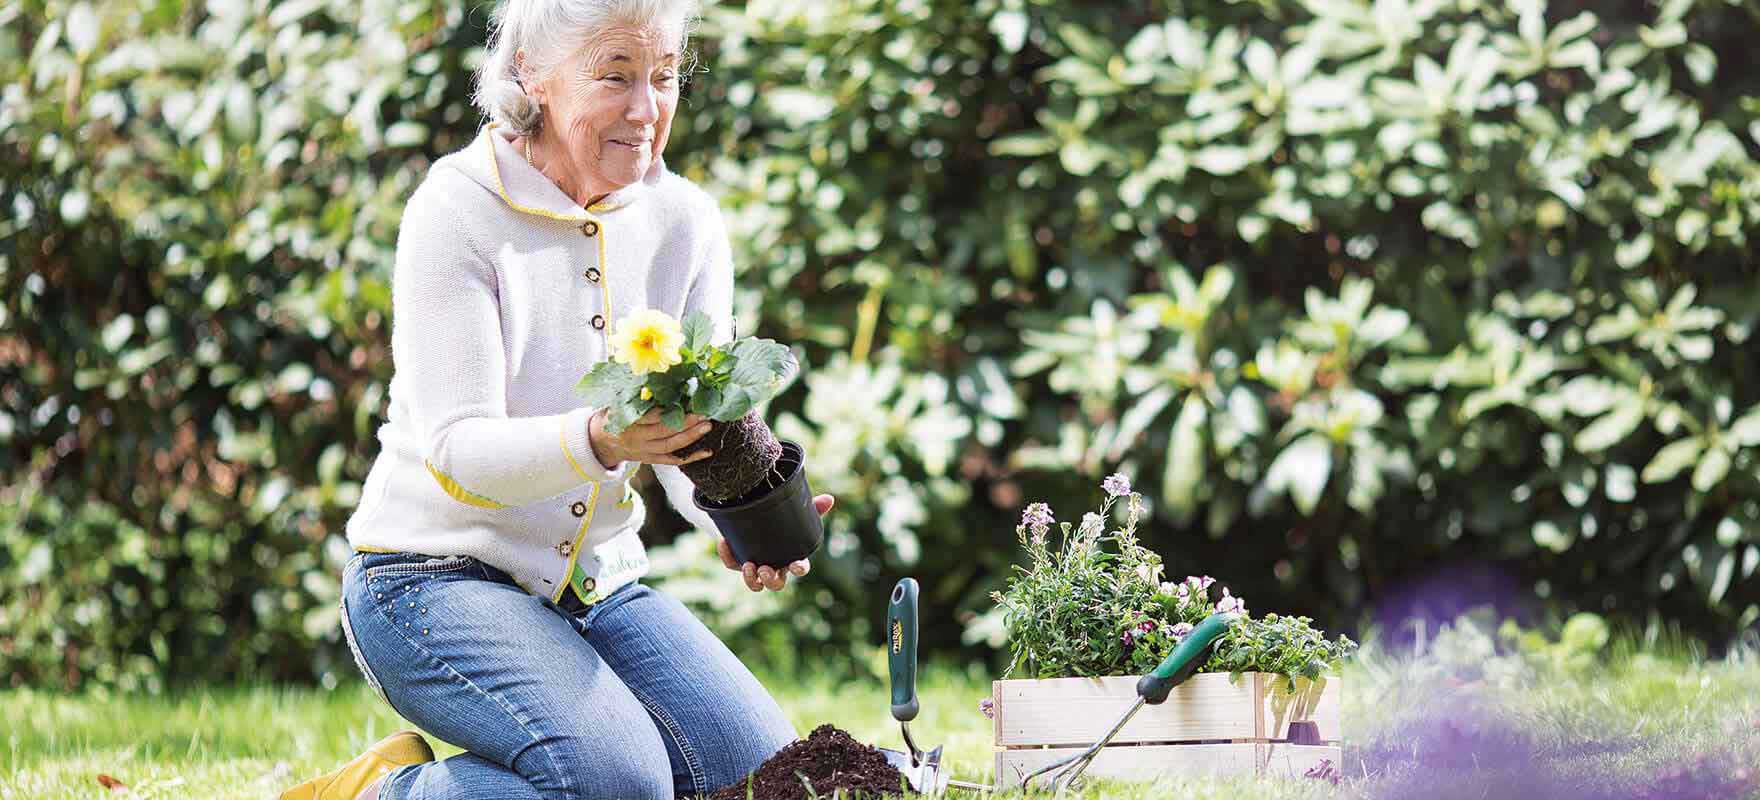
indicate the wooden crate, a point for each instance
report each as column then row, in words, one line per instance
column 1213, row 723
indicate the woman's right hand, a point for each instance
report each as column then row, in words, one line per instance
column 648, row 440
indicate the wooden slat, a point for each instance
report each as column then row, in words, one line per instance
column 1078, row 711
column 1327, row 712
column 1149, row 762
column 1208, row 706
column 1133, row 762
column 1315, row 701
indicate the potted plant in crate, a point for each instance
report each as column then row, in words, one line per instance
column 754, row 486
column 1089, row 614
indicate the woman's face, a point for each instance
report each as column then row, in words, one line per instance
column 610, row 104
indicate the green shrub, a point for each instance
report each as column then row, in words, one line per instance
column 1361, row 290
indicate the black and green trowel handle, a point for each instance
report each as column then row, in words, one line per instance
column 1186, row 658
column 901, row 648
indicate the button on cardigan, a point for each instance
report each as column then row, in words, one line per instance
column 504, row 293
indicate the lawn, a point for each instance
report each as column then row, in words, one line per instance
column 1636, row 723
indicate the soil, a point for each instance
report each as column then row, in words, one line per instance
column 829, row 759
column 745, row 455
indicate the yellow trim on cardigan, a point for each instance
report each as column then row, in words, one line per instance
column 575, row 552
column 362, row 548
column 569, row 454
column 501, row 189
column 459, row 493
column 604, row 270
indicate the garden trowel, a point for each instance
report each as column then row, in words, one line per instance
column 923, row 770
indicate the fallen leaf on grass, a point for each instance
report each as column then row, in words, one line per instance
column 112, row 784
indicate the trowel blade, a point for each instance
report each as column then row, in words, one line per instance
column 926, row 778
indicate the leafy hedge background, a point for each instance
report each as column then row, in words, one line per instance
column 1359, row 294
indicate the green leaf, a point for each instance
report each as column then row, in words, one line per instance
column 330, row 464
column 1726, row 569
column 1547, row 534
column 1221, row 160
column 1612, row 427
column 1136, row 419
column 1746, row 431
column 1592, row 395
column 1185, row 460
column 1302, row 470
column 117, row 332
column 1702, row 63
column 674, row 418
column 619, row 416
column 1620, row 483
column 607, row 384
column 1010, row 28
column 799, row 106
column 82, row 29
column 1081, row 157
column 706, row 400
column 1084, row 44
column 758, row 365
column 698, row 328
column 1609, row 328
column 1712, row 469
column 1031, row 143
column 1635, row 252
column 1670, row 460
column 735, row 402
column 406, row 133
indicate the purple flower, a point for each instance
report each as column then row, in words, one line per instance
column 1037, row 515
column 1201, row 584
column 1092, row 521
column 1181, row 631
column 1324, row 771
column 987, row 707
column 1116, row 485
column 1228, row 604
column 1146, row 626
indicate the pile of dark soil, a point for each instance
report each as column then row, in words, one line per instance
column 828, row 758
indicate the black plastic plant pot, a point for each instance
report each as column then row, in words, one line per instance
column 771, row 525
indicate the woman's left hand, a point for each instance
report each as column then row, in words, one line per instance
column 759, row 578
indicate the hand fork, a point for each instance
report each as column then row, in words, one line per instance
column 1152, row 689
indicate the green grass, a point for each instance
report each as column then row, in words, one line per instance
column 1617, row 730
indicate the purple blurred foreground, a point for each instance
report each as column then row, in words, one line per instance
column 1460, row 749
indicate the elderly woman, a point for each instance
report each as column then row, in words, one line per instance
column 493, row 599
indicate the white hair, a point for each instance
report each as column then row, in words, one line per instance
column 547, row 32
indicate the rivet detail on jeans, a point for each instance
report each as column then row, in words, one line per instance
column 424, row 631
column 424, row 609
column 379, row 595
column 412, row 604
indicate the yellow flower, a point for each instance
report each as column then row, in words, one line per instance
column 647, row 341
column 647, row 395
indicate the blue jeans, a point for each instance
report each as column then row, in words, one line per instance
column 630, row 697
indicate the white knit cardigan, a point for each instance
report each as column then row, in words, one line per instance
column 504, row 293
